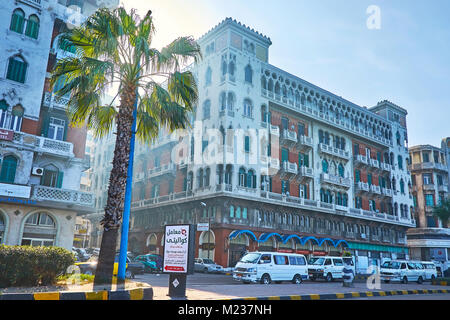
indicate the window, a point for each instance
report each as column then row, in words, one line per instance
column 17, row 21
column 238, row 212
column 281, row 260
column 56, row 129
column 251, row 179
column 208, row 76
column 301, row 129
column 3, row 112
column 242, row 177
column 52, row 177
column 357, row 176
column 41, row 219
column 427, row 179
column 284, row 155
column 338, row 262
column 248, row 74
column 17, row 69
column 341, row 170
column 300, row 261
column 284, row 187
column 8, row 171
column 32, row 30
column 248, row 108
column 231, row 212
column 206, row 109
column 400, row 162
column 325, row 166
column 402, row 186
column 426, row 157
column 429, row 200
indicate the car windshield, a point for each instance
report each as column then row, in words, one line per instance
column 394, row 265
column 386, row 264
column 250, row 258
column 318, row 262
column 208, row 261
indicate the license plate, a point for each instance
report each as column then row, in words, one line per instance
column 239, row 275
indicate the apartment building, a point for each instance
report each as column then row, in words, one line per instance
column 273, row 162
column 42, row 157
column 430, row 186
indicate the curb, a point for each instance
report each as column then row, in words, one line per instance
column 440, row 283
column 348, row 295
column 132, row 294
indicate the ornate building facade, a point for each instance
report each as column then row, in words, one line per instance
column 281, row 164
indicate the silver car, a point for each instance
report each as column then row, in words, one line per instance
column 207, row 266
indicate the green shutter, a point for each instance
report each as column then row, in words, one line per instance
column 17, row 23
column 60, row 180
column 66, row 128
column 44, row 125
column 306, row 160
column 32, row 30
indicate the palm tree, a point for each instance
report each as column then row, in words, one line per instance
column 113, row 50
column 443, row 212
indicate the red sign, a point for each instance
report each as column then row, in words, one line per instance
column 172, row 268
column 320, row 253
column 303, row 252
column 285, row 250
column 6, row 134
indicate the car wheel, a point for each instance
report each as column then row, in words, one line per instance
column 297, row 279
column 265, row 279
column 313, row 278
column 329, row 277
column 205, row 270
column 420, row 280
column 129, row 274
column 405, row 280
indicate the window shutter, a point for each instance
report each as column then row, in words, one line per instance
column 60, row 180
column 45, row 123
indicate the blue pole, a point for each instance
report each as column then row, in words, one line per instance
column 127, row 205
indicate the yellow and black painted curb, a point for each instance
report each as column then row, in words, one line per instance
column 132, row 294
column 440, row 283
column 348, row 295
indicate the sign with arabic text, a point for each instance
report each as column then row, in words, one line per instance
column 178, row 248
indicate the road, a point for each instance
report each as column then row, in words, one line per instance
column 218, row 286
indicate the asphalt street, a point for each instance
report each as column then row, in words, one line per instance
column 219, row 286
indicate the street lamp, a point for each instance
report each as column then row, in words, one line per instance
column 209, row 226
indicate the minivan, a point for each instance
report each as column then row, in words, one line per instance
column 328, row 268
column 402, row 271
column 430, row 270
column 265, row 267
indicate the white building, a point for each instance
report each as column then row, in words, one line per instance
column 41, row 156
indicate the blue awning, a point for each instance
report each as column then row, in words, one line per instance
column 237, row 233
column 286, row 238
column 265, row 236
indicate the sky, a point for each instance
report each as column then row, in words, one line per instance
column 398, row 50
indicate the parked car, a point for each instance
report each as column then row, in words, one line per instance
column 402, row 271
column 328, row 268
column 81, row 254
column 265, row 267
column 151, row 262
column 132, row 268
column 207, row 266
column 430, row 270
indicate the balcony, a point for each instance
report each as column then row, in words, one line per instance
column 305, row 174
column 360, row 160
column 375, row 189
column 386, row 192
column 33, row 3
column 274, row 130
column 273, row 165
column 289, row 138
column 51, row 100
column 288, row 170
column 63, row 198
column 374, row 163
column 43, row 145
column 335, row 180
column 428, row 187
column 163, row 171
column 335, row 152
column 361, row 187
column 443, row 188
column 428, row 165
column 304, row 143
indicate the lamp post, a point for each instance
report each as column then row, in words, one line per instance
column 209, row 226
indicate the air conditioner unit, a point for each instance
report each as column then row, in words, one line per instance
column 37, row 171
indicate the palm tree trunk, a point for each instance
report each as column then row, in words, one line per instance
column 116, row 191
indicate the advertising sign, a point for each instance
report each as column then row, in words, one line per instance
column 178, row 248
column 13, row 190
column 202, row 226
column 6, row 134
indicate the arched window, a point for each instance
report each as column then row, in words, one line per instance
column 402, row 186
column 231, row 100
column 200, row 178
column 32, row 30
column 248, row 108
column 345, row 200
column 242, row 177
column 52, row 177
column 207, row 177
column 400, row 162
column 206, row 109
column 248, row 74
column 16, row 118
column 238, row 212
column 8, row 171
column 33, row 233
column 231, row 212
column 208, row 76
column 325, row 166
column 3, row 112
column 251, row 179
column 17, row 69
column 223, row 101
column 341, row 170
column 17, row 21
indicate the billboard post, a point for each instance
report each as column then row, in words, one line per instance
column 178, row 257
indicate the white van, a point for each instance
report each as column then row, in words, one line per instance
column 430, row 270
column 265, row 267
column 328, row 268
column 402, row 271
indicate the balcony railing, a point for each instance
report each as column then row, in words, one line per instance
column 274, row 130
column 288, row 170
column 374, row 163
column 386, row 192
column 51, row 100
column 74, row 197
column 304, row 142
column 428, row 165
column 334, row 151
column 375, row 189
column 336, row 180
column 289, row 137
column 163, row 170
column 360, row 159
column 43, row 145
column 385, row 166
column 305, row 173
column 361, row 187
